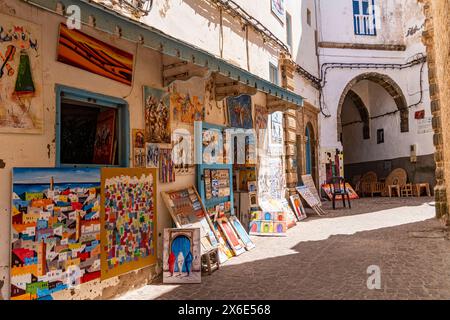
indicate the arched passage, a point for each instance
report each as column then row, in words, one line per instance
column 389, row 85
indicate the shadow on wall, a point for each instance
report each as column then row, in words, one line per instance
column 211, row 13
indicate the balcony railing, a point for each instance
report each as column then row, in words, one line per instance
column 364, row 24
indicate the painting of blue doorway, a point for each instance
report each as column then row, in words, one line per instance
column 182, row 256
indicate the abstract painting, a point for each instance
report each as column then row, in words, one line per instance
column 105, row 137
column 21, row 107
column 279, row 9
column 182, row 257
column 298, row 207
column 156, row 115
column 166, row 167
column 241, row 232
column 152, row 151
column 55, row 232
column 186, row 109
column 128, row 220
column 80, row 50
column 183, row 152
column 240, row 111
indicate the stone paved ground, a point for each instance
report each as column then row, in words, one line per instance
column 327, row 258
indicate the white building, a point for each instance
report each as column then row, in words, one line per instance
column 374, row 79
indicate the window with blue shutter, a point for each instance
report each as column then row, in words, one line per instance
column 364, row 17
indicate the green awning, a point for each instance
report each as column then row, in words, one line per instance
column 107, row 20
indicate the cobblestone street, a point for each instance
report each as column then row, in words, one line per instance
column 327, row 258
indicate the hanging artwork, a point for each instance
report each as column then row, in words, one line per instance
column 183, row 152
column 186, row 109
column 261, row 117
column 21, row 107
column 139, row 155
column 105, row 137
column 212, row 146
column 166, row 167
column 182, row 257
column 243, row 235
column 298, row 207
column 152, row 151
column 333, row 161
column 276, row 127
column 240, row 111
column 232, row 238
column 55, row 232
column 156, row 115
column 279, row 9
column 80, row 50
column 128, row 220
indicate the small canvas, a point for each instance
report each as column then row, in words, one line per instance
column 327, row 188
column 156, row 115
column 166, row 167
column 279, row 9
column 298, row 207
column 240, row 111
column 233, row 240
column 182, row 256
column 152, row 151
column 105, row 137
column 241, row 233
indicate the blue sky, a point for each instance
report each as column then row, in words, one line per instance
column 60, row 175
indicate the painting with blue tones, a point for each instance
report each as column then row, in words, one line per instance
column 240, row 111
column 182, row 256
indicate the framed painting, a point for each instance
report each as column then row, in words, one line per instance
column 234, row 221
column 232, row 238
column 182, row 256
column 166, row 167
column 152, row 152
column 299, row 210
column 279, row 9
column 186, row 109
column 183, row 151
column 55, row 230
column 128, row 220
column 240, row 111
column 139, row 155
column 105, row 137
column 80, row 50
column 21, row 107
column 156, row 115
column 188, row 211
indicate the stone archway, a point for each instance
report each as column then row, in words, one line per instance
column 389, row 85
column 363, row 113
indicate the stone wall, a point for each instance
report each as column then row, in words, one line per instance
column 437, row 40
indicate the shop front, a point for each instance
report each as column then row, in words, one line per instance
column 105, row 133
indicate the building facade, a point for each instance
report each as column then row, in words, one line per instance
column 208, row 49
column 436, row 38
column 375, row 105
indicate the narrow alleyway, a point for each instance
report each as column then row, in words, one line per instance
column 328, row 257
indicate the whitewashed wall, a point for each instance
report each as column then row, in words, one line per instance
column 336, row 25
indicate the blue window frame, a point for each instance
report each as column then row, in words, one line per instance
column 66, row 97
column 364, row 17
column 199, row 127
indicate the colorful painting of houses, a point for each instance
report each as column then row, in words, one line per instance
column 55, row 230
